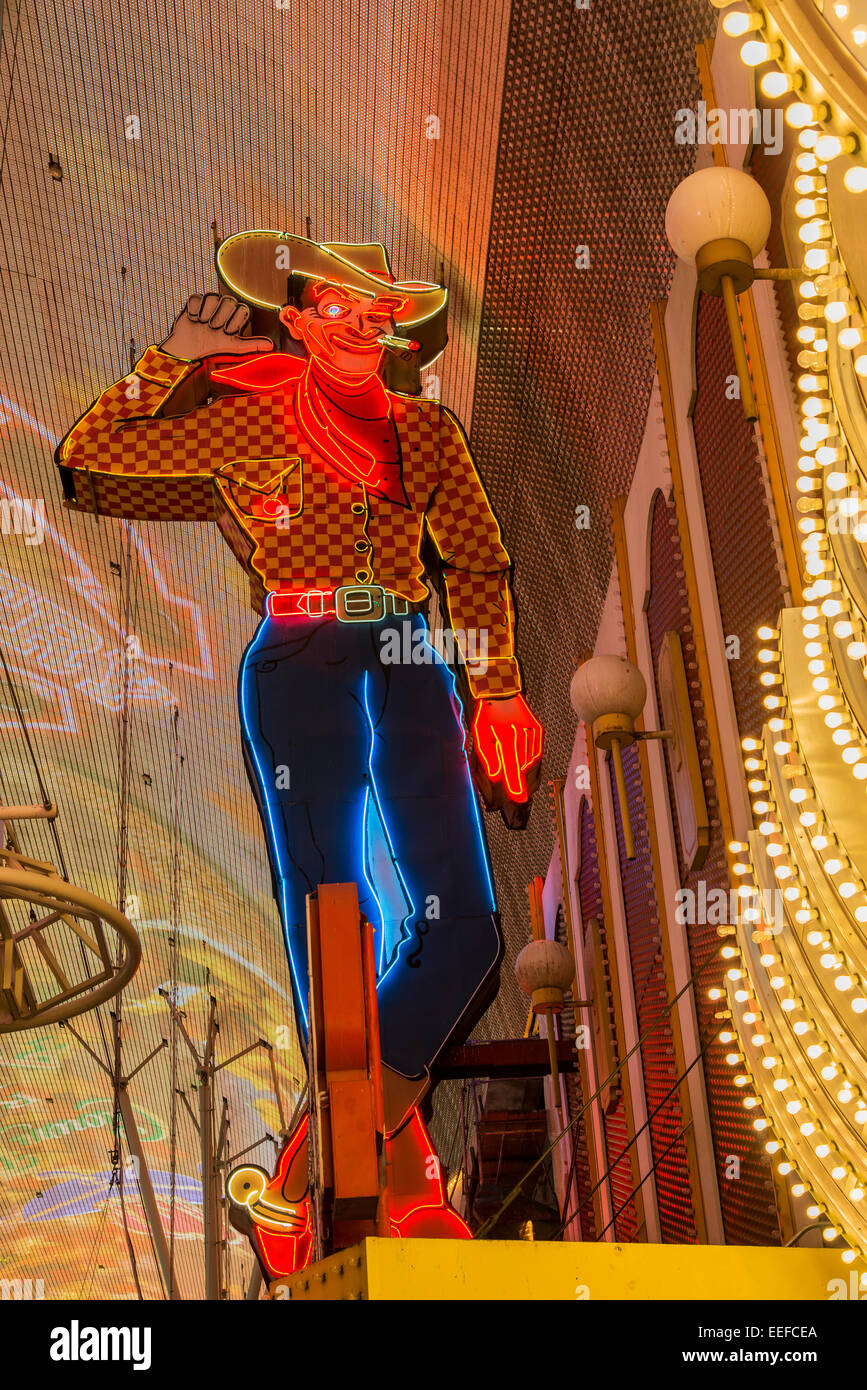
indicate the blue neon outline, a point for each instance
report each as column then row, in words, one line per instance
column 481, row 842
column 275, row 844
column 388, row 841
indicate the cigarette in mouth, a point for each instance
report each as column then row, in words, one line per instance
column 400, row 345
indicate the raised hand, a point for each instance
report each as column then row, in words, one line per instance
column 211, row 325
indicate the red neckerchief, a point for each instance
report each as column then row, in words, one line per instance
column 350, row 423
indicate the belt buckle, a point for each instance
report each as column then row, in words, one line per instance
column 359, row 603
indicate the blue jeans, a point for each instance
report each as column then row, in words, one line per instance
column 360, row 773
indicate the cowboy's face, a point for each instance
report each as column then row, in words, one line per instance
column 341, row 327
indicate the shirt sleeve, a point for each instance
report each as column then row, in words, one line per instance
column 476, row 567
column 126, row 457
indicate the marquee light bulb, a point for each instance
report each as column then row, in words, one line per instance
column 738, row 22
column 828, row 147
column 754, row 52
column 798, row 115
column 855, row 178
column 808, row 207
column 776, row 84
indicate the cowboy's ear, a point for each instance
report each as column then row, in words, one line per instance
column 290, row 317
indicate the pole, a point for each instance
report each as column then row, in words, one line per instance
column 210, row 1198
column 374, row 1054
column 736, row 334
column 555, row 1070
column 625, row 818
column 148, row 1197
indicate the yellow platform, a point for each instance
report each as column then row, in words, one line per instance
column 517, row 1269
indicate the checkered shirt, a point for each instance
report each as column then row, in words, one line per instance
column 291, row 518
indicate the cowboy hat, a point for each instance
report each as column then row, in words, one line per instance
column 254, row 266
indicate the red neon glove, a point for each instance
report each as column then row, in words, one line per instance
column 509, row 740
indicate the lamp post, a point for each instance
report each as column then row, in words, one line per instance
column 544, row 970
column 608, row 693
column 718, row 220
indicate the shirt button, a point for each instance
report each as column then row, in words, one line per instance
column 362, row 545
column 362, row 576
column 359, row 508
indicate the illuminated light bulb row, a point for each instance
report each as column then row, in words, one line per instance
column 840, row 1171
column 827, row 303
column 814, row 1048
column 839, row 300
column 846, row 882
column 844, row 730
column 791, row 79
column 826, row 300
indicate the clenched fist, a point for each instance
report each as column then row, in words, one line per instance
column 211, row 325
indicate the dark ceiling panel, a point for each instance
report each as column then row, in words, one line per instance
column 587, row 157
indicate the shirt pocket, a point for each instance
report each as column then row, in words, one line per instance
column 262, row 489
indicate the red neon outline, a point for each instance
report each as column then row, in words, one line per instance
column 285, row 1253
column 267, row 371
column 331, row 444
column 295, row 603
column 504, row 761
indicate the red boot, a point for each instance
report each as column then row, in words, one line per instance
column 275, row 1212
column 418, row 1205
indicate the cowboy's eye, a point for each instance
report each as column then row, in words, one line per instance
column 332, row 311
